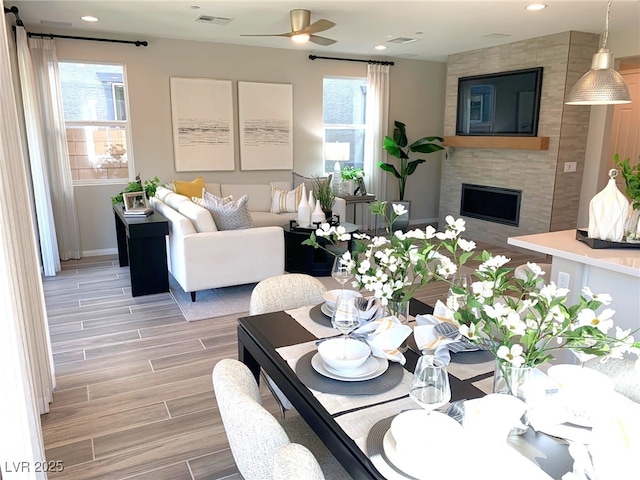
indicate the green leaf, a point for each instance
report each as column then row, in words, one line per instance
column 390, row 145
column 400, row 133
column 387, row 167
column 411, row 166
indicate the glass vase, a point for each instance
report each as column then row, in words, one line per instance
column 512, row 380
column 399, row 309
column 632, row 226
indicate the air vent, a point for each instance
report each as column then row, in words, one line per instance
column 212, row 20
column 403, row 40
column 496, row 35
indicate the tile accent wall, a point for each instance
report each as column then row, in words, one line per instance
column 550, row 197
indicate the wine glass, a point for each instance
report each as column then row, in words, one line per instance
column 341, row 272
column 430, row 384
column 346, row 315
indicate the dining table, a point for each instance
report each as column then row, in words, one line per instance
column 352, row 426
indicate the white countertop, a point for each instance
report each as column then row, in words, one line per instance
column 564, row 245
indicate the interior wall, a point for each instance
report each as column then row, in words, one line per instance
column 416, row 98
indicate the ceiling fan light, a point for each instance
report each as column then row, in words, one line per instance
column 602, row 85
column 300, row 37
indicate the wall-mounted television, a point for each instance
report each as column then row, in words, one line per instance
column 505, row 103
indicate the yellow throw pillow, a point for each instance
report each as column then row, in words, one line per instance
column 189, row 189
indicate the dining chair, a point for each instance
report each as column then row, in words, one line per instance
column 255, row 435
column 623, row 372
column 284, row 292
column 295, row 462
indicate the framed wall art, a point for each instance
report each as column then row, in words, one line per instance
column 265, row 114
column 202, row 123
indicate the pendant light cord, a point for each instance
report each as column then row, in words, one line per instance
column 606, row 26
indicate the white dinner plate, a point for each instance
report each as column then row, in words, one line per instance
column 381, row 366
column 326, row 309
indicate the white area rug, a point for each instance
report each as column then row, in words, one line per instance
column 219, row 302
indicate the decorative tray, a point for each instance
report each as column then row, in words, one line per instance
column 596, row 243
column 333, row 221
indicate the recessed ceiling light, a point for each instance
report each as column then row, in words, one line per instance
column 536, row 6
column 89, row 18
column 380, row 47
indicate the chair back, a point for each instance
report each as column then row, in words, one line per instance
column 623, row 372
column 254, row 435
column 284, row 292
column 295, row 462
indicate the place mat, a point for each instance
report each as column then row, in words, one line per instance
column 465, row 365
column 313, row 380
column 303, row 317
column 317, row 316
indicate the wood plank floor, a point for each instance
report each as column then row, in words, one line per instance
column 134, row 398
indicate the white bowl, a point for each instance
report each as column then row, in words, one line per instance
column 331, row 296
column 343, row 354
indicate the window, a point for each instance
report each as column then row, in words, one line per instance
column 95, row 113
column 343, row 103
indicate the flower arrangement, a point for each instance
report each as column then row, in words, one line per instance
column 522, row 322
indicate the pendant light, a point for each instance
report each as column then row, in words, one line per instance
column 601, row 85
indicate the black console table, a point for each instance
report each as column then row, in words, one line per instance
column 142, row 246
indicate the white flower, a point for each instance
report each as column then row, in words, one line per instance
column 602, row 322
column 513, row 355
column 535, row 269
column 446, row 268
column 469, row 331
column 551, row 292
column 514, row 324
column 446, row 235
column 603, row 298
column 429, row 232
column 466, row 245
column 399, row 209
column 458, row 226
column 482, row 289
column 493, row 263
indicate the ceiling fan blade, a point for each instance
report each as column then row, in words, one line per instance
column 267, row 35
column 317, row 27
column 324, row 41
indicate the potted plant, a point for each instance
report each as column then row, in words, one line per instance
column 350, row 176
column 631, row 176
column 324, row 194
column 149, row 188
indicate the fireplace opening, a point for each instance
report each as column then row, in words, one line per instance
column 493, row 204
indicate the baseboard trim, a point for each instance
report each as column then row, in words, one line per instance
column 97, row 253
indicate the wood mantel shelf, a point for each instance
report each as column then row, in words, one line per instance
column 513, row 143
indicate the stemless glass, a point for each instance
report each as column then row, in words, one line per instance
column 430, row 385
column 346, row 315
column 340, row 272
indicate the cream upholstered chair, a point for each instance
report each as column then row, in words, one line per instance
column 254, row 434
column 296, row 462
column 625, row 376
column 285, row 291
column 280, row 293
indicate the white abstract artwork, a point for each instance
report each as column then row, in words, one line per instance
column 203, row 128
column 265, row 113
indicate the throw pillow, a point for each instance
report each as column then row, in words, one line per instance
column 308, row 181
column 189, row 189
column 228, row 214
column 285, row 201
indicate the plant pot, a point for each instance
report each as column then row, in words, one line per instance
column 401, row 222
column 400, row 310
column 512, row 380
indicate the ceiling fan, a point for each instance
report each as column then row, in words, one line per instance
column 303, row 30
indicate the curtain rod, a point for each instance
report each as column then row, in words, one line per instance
column 137, row 43
column 14, row 10
column 374, row 62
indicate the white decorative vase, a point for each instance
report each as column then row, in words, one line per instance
column 304, row 210
column 312, row 201
column 608, row 211
column 318, row 215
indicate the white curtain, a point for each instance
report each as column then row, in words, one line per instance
column 377, row 122
column 26, row 376
column 48, row 152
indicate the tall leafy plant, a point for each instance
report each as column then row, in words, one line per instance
column 397, row 147
column 631, row 176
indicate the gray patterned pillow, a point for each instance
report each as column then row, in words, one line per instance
column 228, row 213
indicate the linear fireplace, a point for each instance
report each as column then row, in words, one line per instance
column 493, row 204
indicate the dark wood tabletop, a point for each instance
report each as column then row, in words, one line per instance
column 260, row 335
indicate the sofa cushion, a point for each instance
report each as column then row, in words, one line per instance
column 175, row 199
column 189, row 189
column 259, row 195
column 162, row 192
column 228, row 214
column 268, row 219
column 199, row 216
column 285, row 201
column 308, row 181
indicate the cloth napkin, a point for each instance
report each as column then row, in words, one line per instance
column 370, row 308
column 438, row 332
column 384, row 336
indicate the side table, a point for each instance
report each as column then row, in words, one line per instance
column 356, row 199
column 142, row 246
column 299, row 258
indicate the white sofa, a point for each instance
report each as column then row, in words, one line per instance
column 200, row 257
